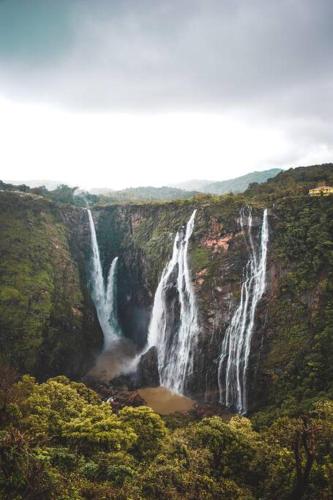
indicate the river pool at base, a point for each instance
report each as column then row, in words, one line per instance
column 165, row 402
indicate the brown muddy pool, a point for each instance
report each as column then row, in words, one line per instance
column 164, row 401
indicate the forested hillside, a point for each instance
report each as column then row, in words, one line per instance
column 45, row 307
column 240, row 184
column 61, row 439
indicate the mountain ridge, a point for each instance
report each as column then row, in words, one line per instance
column 235, row 185
column 182, row 190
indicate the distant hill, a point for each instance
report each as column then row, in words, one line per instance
column 34, row 183
column 149, row 193
column 102, row 191
column 240, row 184
column 179, row 191
column 142, row 193
column 192, row 185
column 188, row 189
column 236, row 185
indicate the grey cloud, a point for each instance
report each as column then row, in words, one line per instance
column 186, row 54
column 265, row 58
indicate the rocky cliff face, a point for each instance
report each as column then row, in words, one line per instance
column 290, row 337
column 48, row 324
column 293, row 351
column 142, row 236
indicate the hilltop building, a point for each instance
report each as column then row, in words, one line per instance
column 321, row 191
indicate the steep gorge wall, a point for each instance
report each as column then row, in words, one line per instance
column 143, row 235
column 48, row 324
column 292, row 341
column 47, row 321
column 293, row 352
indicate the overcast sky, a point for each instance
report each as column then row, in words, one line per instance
column 114, row 93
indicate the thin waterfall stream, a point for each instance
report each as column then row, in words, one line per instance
column 236, row 345
column 175, row 348
column 104, row 294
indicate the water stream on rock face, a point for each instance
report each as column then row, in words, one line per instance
column 236, row 345
column 175, row 345
column 104, row 295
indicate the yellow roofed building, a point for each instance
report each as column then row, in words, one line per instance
column 321, row 191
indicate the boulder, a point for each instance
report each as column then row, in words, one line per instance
column 147, row 371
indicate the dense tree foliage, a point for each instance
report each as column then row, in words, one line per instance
column 59, row 440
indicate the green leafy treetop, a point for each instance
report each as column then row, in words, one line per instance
column 58, row 440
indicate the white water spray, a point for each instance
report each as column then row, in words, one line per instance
column 175, row 348
column 104, row 296
column 236, row 345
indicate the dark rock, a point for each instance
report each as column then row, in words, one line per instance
column 127, row 382
column 121, row 399
column 147, row 372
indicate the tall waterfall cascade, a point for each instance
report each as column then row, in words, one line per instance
column 175, row 347
column 104, row 294
column 236, row 345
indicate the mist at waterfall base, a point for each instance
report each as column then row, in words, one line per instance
column 104, row 294
column 118, row 352
column 236, row 345
column 175, row 340
column 175, row 343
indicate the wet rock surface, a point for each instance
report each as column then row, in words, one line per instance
column 147, row 371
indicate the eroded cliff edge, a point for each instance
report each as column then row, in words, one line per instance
column 48, row 324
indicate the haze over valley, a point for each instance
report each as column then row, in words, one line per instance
column 166, row 250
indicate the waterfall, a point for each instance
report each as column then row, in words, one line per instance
column 175, row 344
column 236, row 345
column 104, row 296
